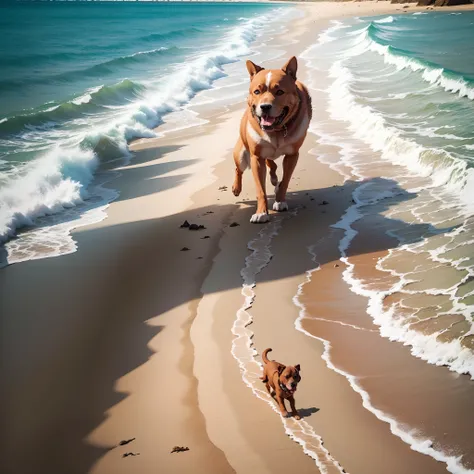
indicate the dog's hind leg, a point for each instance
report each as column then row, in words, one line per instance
column 273, row 175
column 242, row 161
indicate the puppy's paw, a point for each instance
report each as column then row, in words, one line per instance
column 260, row 218
column 280, row 206
column 285, row 414
column 297, row 417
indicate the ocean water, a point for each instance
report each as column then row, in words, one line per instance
column 408, row 109
column 80, row 81
column 397, row 94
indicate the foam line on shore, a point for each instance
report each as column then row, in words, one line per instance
column 340, row 323
column 449, row 354
column 341, row 102
column 245, row 354
column 409, row 436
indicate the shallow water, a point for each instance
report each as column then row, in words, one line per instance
column 406, row 109
column 404, row 125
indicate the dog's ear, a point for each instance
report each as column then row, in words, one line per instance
column 297, row 367
column 253, row 68
column 281, row 368
column 291, row 67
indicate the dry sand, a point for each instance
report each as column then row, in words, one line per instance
column 130, row 337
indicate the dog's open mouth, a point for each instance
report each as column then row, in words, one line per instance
column 267, row 122
column 285, row 388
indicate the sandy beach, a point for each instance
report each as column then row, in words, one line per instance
column 133, row 338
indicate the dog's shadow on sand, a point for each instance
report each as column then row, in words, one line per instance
column 307, row 412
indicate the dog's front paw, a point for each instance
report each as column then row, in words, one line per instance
column 236, row 189
column 280, row 206
column 285, row 414
column 297, row 417
column 260, row 218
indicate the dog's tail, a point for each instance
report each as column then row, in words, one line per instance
column 264, row 355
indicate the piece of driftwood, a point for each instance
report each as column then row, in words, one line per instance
column 179, row 449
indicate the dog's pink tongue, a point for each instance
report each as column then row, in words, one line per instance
column 267, row 120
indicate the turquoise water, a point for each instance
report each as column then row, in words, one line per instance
column 402, row 87
column 413, row 77
column 396, row 108
column 53, row 52
column 432, row 91
column 80, row 80
column 434, row 39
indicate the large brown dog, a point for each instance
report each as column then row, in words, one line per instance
column 275, row 123
column 281, row 382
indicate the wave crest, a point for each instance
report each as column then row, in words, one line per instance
column 450, row 81
column 60, row 177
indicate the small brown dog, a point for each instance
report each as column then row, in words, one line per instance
column 281, row 382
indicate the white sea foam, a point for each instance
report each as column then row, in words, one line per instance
column 427, row 347
column 410, row 436
column 388, row 19
column 59, row 179
column 346, row 153
column 244, row 352
column 371, row 128
column 431, row 132
column 83, row 98
column 433, row 75
column 46, row 186
column 327, row 35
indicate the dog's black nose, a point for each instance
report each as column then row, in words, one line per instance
column 265, row 107
column 293, row 384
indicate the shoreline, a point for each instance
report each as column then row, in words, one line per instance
column 129, row 351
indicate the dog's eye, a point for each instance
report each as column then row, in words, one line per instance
column 280, row 92
column 256, row 92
